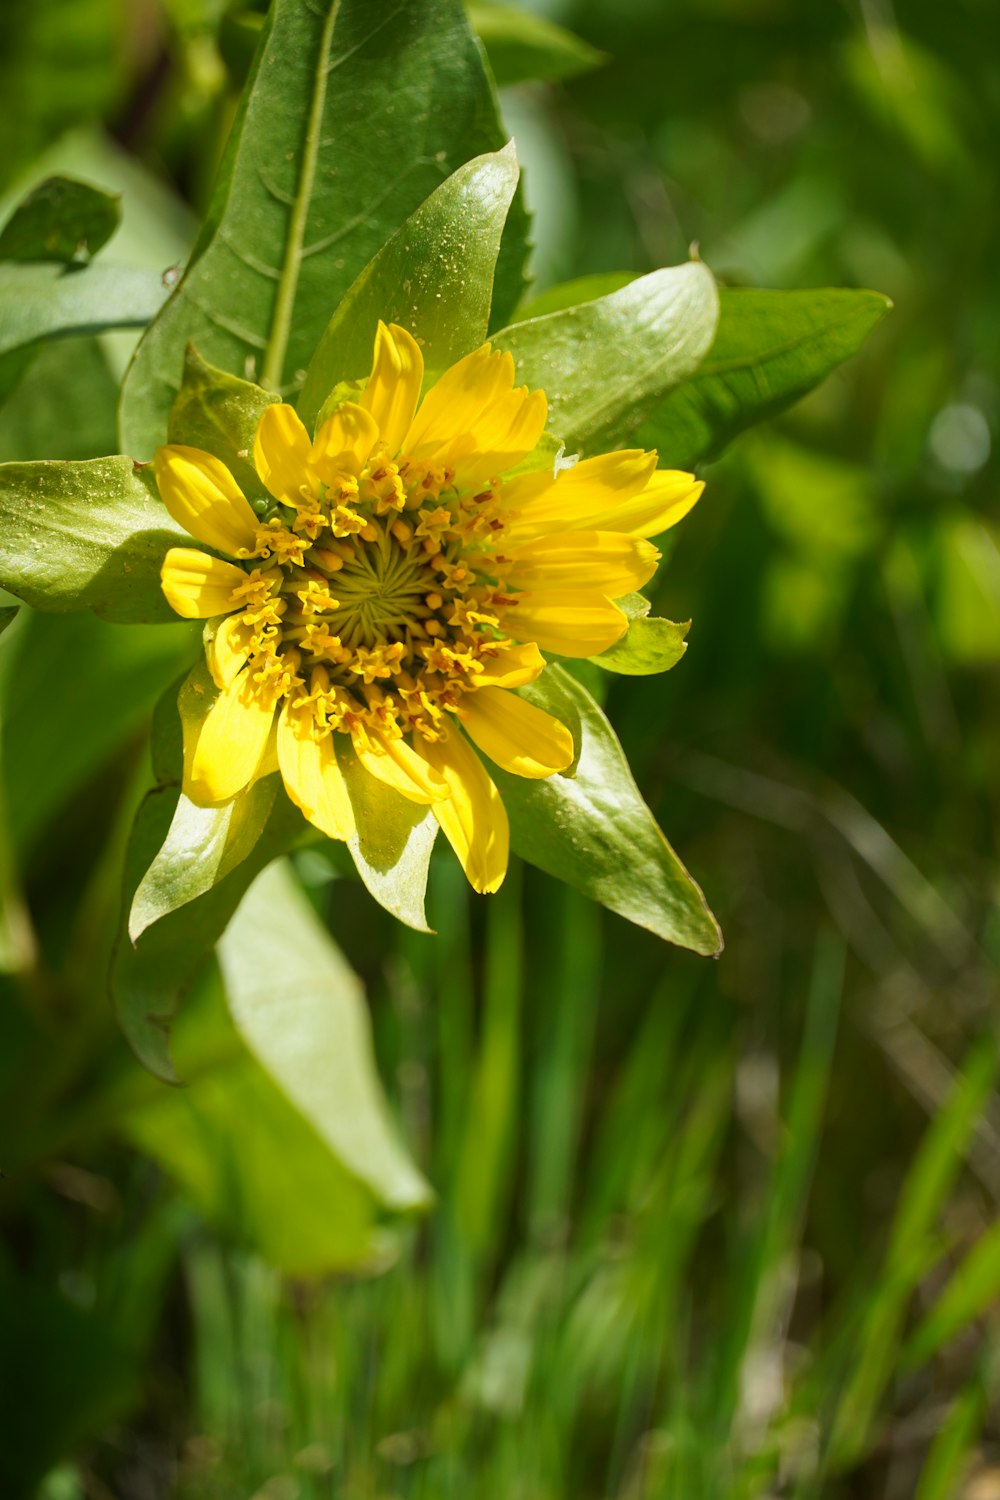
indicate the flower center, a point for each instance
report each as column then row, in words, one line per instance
column 374, row 599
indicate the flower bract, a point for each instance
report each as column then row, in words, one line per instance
column 411, row 564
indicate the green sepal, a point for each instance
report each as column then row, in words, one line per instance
column 434, row 277
column 344, row 390
column 219, row 413
column 770, row 349
column 392, row 847
column 88, row 535
column 591, row 828
column 523, row 48
column 648, row 646
column 202, row 846
column 49, row 301
column 301, row 1011
column 60, row 220
column 606, row 365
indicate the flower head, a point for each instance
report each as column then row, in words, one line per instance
column 404, row 578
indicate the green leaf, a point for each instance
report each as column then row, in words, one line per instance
column 392, row 847
column 572, row 293
column 201, row 847
column 149, row 976
column 300, row 1009
column 352, row 115
column 591, row 828
column 60, row 220
column 605, row 365
column 219, row 413
column 648, row 646
column 86, row 536
column 769, row 350
column 250, row 1162
column 522, row 47
column 39, row 302
column 434, row 276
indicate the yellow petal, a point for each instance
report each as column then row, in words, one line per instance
column 609, row 561
column 227, row 646
column 516, row 735
column 231, row 743
column 397, row 765
column 667, row 498
column 446, row 428
column 344, row 442
column 393, row 388
column 505, row 435
column 198, row 586
column 568, row 622
column 281, row 452
column 204, row 498
column 508, row 666
column 312, row 774
column 473, row 818
column 575, row 498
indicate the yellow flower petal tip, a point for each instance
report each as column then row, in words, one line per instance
column 397, row 586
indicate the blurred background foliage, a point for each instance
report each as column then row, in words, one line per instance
column 701, row 1229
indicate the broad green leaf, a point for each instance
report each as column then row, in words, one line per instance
column 522, row 47
column 434, row 276
column 39, row 302
column 352, row 115
column 202, row 845
column 219, row 413
column 573, row 293
column 770, row 349
column 86, row 536
column 606, row 365
column 591, row 828
column 301, row 1011
column 248, row 1159
column 648, row 646
column 149, row 977
column 60, row 220
column 392, row 847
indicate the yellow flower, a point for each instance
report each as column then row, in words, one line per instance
column 399, row 584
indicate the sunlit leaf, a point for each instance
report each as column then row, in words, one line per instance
column 434, row 276
column 351, row 117
column 42, row 301
column 648, row 646
column 606, row 365
column 85, row 536
column 591, row 828
column 392, row 847
column 202, row 845
column 246, row 1157
column 219, row 413
column 770, row 349
column 301, row 1011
